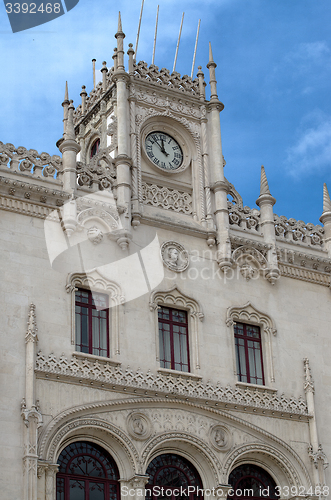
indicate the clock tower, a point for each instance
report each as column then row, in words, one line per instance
column 159, row 149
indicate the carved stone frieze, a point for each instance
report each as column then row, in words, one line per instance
column 244, row 217
column 90, row 370
column 167, row 198
column 318, row 457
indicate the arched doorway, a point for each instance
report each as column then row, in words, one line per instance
column 86, row 472
column 250, row 482
column 174, row 474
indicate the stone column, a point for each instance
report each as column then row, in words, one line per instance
column 123, row 161
column 51, row 481
column 135, row 487
column 30, row 411
column 315, row 450
column 265, row 201
column 326, row 219
column 218, row 183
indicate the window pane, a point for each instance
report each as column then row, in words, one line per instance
column 241, row 360
column 252, row 331
column 164, row 313
column 77, row 490
column 239, row 329
column 165, row 348
column 97, row 491
column 59, row 488
column 99, row 300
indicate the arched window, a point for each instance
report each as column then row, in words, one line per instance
column 251, row 482
column 174, row 474
column 95, row 148
column 86, row 472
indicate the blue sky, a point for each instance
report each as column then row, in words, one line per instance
column 274, row 74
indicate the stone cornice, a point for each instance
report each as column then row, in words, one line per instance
column 103, row 375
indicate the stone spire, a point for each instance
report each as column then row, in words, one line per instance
column 120, row 50
column 65, row 105
column 213, row 83
column 326, row 199
column 264, row 187
column 265, row 201
column 326, row 219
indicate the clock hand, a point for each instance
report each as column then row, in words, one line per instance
column 163, row 150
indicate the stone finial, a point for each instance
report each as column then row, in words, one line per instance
column 31, row 334
column 211, row 59
column 309, row 383
column 202, row 83
column 70, row 130
column 265, row 197
column 264, row 187
column 65, row 105
column 326, row 199
column 119, row 25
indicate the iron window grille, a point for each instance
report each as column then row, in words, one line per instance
column 173, row 339
column 249, row 358
column 92, row 322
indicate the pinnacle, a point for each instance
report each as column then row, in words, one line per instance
column 264, row 187
column 210, row 53
column 326, row 199
column 66, row 93
column 119, row 29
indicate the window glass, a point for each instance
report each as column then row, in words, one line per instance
column 173, row 339
column 248, row 349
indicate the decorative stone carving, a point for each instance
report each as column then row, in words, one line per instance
column 250, row 261
column 139, row 426
column 244, row 217
column 95, row 235
column 163, row 78
column 220, row 437
column 309, row 383
column 89, row 370
column 29, row 161
column 100, row 171
column 167, row 198
column 298, row 231
column 318, row 457
column 174, row 256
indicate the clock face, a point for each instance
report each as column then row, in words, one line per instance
column 164, row 151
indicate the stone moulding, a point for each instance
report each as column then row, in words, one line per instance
column 97, row 373
column 305, row 274
column 166, row 198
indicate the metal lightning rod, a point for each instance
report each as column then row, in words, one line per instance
column 195, row 48
column 156, row 22
column 180, row 32
column 138, row 33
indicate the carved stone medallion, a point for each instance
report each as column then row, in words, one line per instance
column 174, row 256
column 139, row 426
column 220, row 437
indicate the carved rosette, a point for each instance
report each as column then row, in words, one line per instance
column 139, row 426
column 174, row 256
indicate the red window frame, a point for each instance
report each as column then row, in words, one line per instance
column 93, row 468
column 249, row 347
column 85, row 300
column 95, row 148
column 173, row 332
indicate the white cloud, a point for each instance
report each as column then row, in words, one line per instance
column 312, row 151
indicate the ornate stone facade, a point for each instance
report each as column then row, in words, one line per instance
column 181, row 238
